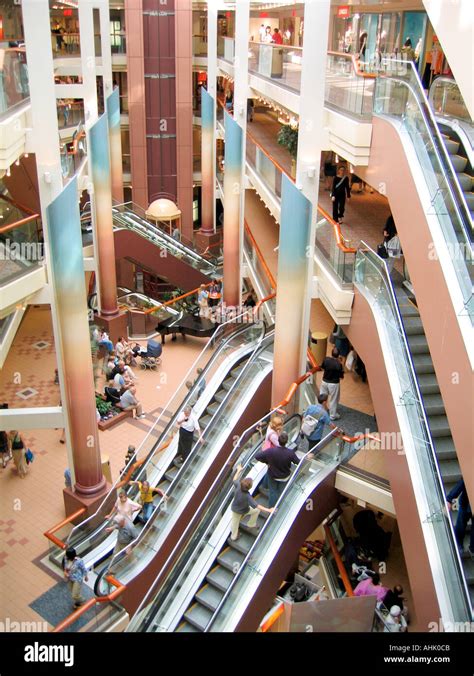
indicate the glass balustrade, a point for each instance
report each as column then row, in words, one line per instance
column 226, row 48
column 399, row 95
column 276, row 62
column 341, row 262
column 446, row 99
column 345, row 89
column 229, row 341
column 14, row 86
column 265, row 169
column 21, row 247
column 373, row 281
column 199, row 45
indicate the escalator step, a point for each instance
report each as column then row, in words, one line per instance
column 204, row 421
column 209, row 596
column 469, row 199
column 171, row 473
column 186, row 627
column 237, row 370
column 423, row 363
column 220, row 396
column 262, row 499
column 220, row 577
column 231, row 559
column 413, row 326
column 428, row 384
column 243, row 544
column 459, row 162
column 212, row 408
column 164, row 485
column 198, row 615
column 407, row 309
column 433, row 404
column 466, row 181
column 450, row 471
column 445, row 449
column 451, row 146
column 418, row 344
column 251, row 531
column 439, row 426
column 228, row 382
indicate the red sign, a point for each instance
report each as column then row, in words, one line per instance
column 263, row 15
column 67, row 12
column 343, row 11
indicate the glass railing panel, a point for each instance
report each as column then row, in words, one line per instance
column 14, row 86
column 345, row 89
column 222, row 422
column 305, row 478
column 341, row 262
column 446, row 99
column 21, row 248
column 70, row 113
column 118, row 43
column 229, row 341
column 372, row 278
column 400, row 96
column 199, row 45
column 276, row 62
column 156, row 605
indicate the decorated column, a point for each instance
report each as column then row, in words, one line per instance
column 115, row 144
column 232, row 210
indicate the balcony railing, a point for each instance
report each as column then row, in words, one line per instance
column 199, row 45
column 14, row 87
column 226, row 48
column 70, row 113
column 276, row 62
column 347, row 87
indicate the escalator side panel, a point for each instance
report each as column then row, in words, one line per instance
column 450, row 351
column 325, row 499
column 139, row 585
column 362, row 333
column 130, row 244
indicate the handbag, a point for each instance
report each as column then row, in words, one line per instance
column 29, row 456
column 309, row 425
column 382, row 251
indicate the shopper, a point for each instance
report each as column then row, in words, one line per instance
column 5, row 449
column 330, row 385
column 408, row 53
column 188, row 424
column 394, row 598
column 267, row 38
column 464, row 515
column 393, row 248
column 147, row 494
column 395, row 622
column 279, row 460
column 250, row 109
column 203, row 301
column 18, row 448
column 274, row 429
column 128, row 402
column 124, row 506
column 243, row 504
column 276, row 37
column 340, row 189
column 315, row 418
column 371, row 587
column 75, row 573
column 261, row 32
column 126, row 534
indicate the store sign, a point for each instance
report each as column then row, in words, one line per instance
column 343, row 11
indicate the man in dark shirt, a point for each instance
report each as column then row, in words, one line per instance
column 279, row 460
column 243, row 504
column 330, row 385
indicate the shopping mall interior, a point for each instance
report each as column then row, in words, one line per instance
column 222, row 223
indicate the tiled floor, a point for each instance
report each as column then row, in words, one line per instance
column 30, row 507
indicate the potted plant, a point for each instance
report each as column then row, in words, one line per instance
column 288, row 137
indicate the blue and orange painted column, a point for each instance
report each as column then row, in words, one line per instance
column 66, row 271
column 99, row 161
column 208, row 107
column 232, row 210
column 291, row 340
column 115, row 144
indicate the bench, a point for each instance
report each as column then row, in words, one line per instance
column 110, row 422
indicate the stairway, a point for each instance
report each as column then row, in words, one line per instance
column 220, row 577
column 438, row 423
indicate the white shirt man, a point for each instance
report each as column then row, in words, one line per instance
column 188, row 424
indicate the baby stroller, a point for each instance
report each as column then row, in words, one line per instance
column 152, row 358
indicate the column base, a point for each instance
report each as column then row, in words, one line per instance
column 115, row 326
column 73, row 502
column 204, row 239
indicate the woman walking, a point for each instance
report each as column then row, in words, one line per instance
column 18, row 452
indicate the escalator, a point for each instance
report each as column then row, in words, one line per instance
column 185, row 266
column 460, row 160
column 219, row 585
column 424, row 427
column 231, row 345
column 187, row 485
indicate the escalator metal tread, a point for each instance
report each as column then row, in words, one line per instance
column 220, row 577
column 209, row 596
column 198, row 615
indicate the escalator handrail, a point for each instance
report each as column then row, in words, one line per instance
column 280, row 501
column 186, row 463
column 442, row 155
column 212, row 490
column 452, row 82
column 202, row 513
column 421, row 406
column 192, row 370
column 178, row 298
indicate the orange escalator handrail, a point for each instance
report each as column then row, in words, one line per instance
column 178, row 298
column 120, row 588
column 50, row 533
column 18, row 224
column 340, row 566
